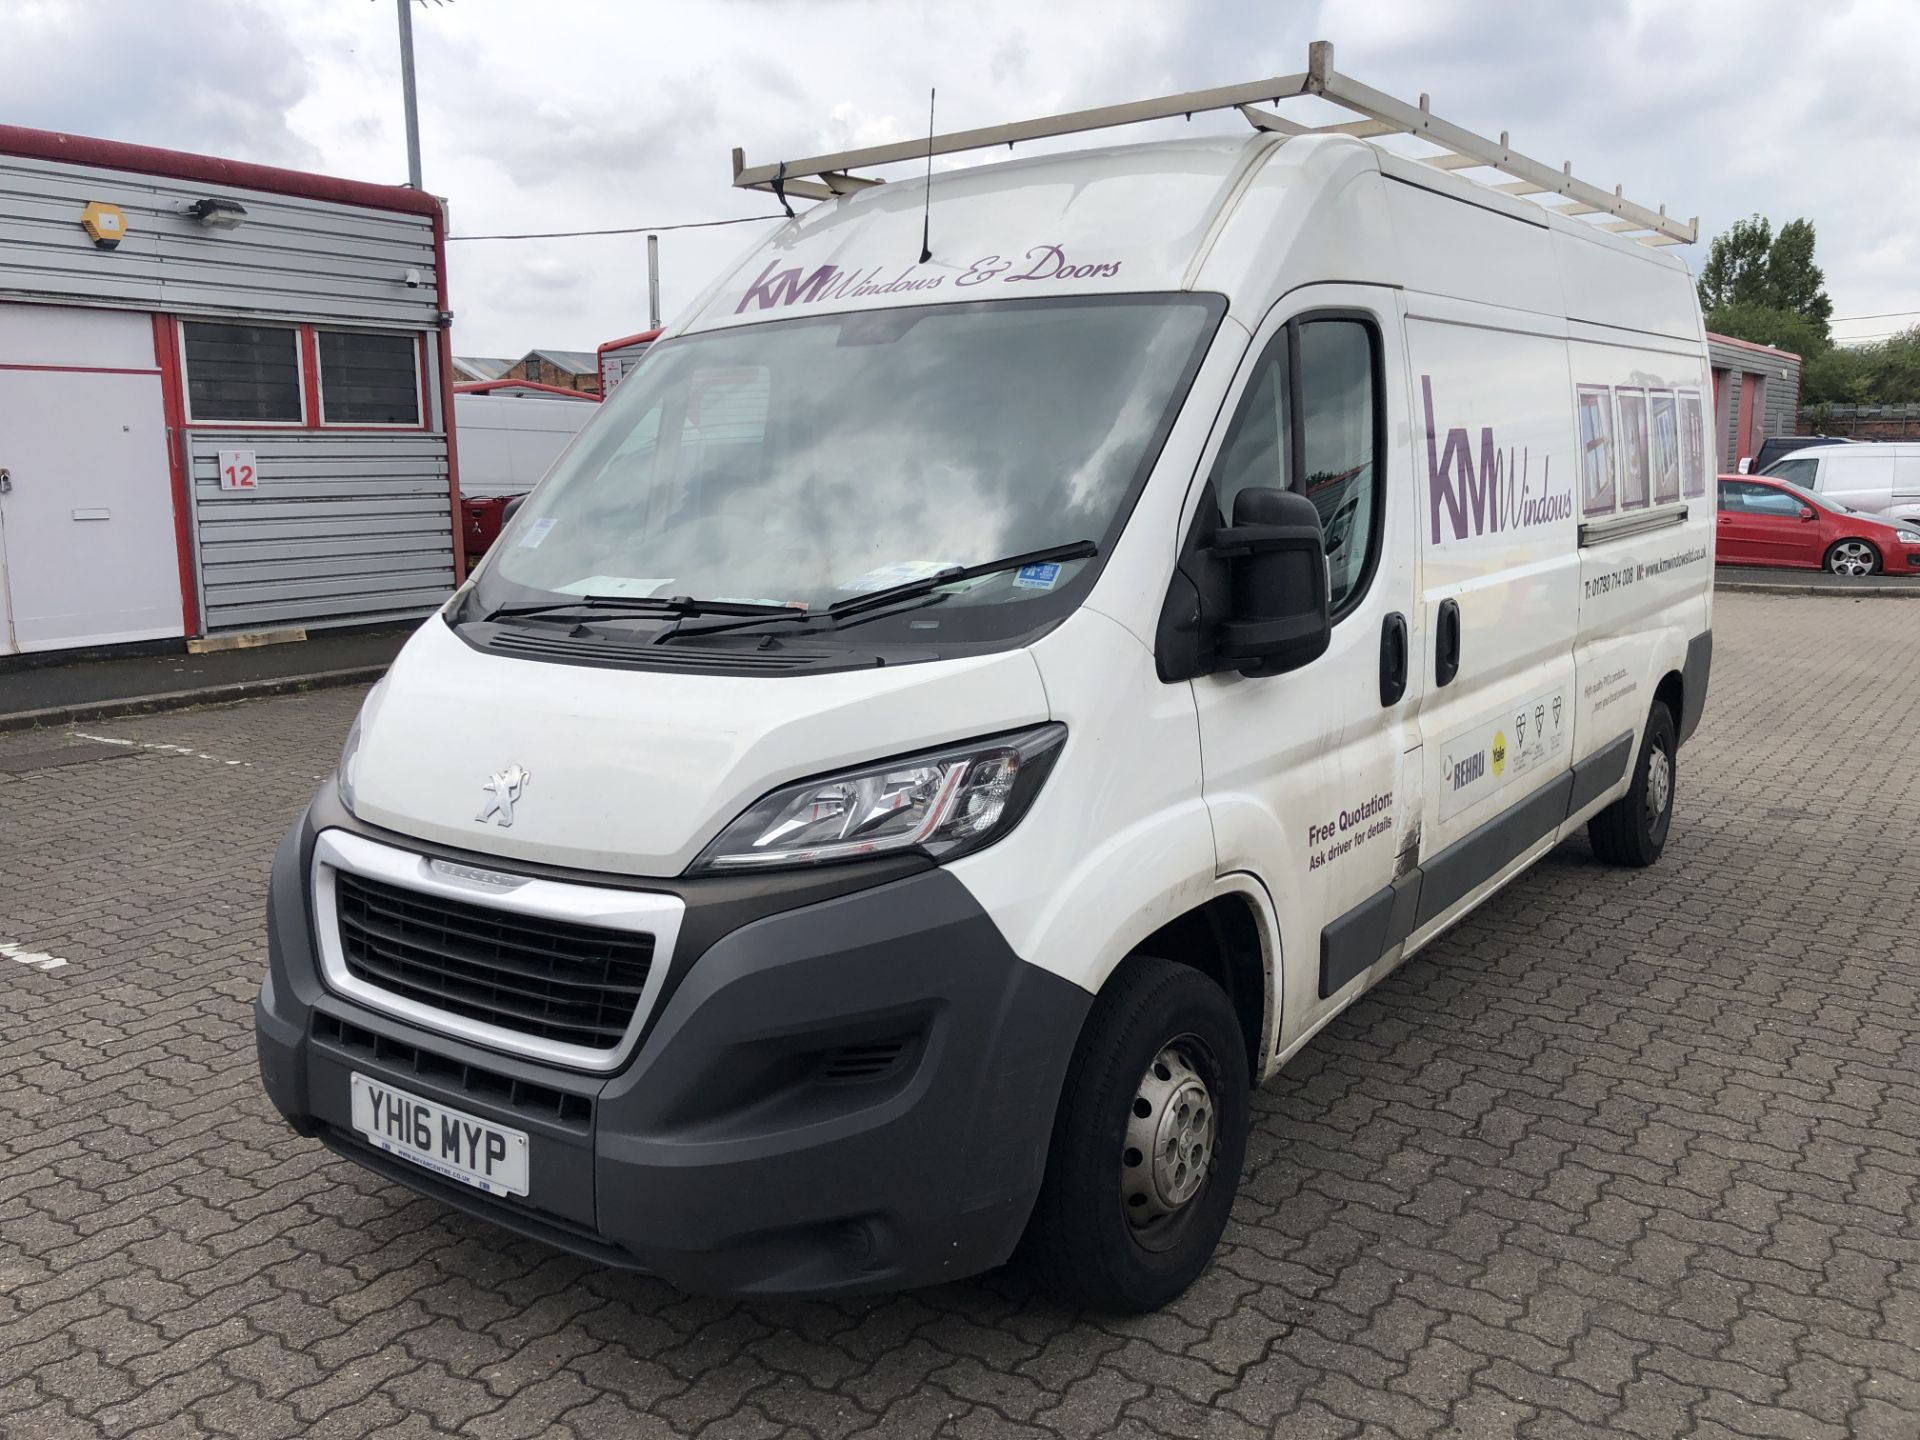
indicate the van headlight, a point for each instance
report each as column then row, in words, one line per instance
column 343, row 776
column 941, row 804
column 350, row 750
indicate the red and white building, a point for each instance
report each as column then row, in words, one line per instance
column 225, row 397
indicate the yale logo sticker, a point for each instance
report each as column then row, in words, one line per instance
column 1483, row 759
column 104, row 223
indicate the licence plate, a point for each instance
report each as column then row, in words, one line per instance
column 448, row 1142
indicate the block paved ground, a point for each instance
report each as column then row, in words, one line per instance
column 1624, row 1154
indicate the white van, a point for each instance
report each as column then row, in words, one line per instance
column 951, row 727
column 1881, row 479
column 507, row 442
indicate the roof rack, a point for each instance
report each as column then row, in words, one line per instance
column 821, row 177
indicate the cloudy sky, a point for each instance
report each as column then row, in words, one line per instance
column 601, row 113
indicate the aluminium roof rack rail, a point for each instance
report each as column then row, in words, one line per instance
column 821, row 177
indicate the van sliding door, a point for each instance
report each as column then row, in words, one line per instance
column 1494, row 447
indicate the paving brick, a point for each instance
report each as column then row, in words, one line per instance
column 1623, row 1154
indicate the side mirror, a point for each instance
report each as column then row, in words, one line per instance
column 1807, row 512
column 507, row 511
column 1278, row 616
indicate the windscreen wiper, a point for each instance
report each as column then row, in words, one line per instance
column 926, row 584
column 675, row 605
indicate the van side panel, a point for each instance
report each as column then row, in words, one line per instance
column 1642, row 598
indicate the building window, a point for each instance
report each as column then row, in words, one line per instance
column 244, row 373
column 369, row 378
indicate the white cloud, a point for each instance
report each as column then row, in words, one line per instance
column 603, row 112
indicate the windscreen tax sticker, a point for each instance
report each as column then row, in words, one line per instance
column 1038, row 577
column 537, row 532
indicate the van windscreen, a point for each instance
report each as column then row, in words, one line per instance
column 805, row 462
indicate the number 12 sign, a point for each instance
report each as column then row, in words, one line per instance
column 237, row 470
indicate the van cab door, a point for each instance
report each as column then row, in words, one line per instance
column 1307, row 773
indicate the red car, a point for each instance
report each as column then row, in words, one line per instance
column 1774, row 522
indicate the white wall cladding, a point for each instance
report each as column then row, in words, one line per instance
column 305, row 259
column 343, row 528
column 346, row 526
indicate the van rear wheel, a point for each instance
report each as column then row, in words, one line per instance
column 1633, row 830
column 1147, row 1143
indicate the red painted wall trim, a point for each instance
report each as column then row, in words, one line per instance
column 309, row 376
column 210, row 170
column 82, row 369
column 626, row 340
column 487, row 387
column 166, row 350
column 446, row 400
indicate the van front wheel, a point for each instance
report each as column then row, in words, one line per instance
column 1633, row 830
column 1147, row 1143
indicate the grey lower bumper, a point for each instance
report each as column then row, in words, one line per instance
column 737, row 1153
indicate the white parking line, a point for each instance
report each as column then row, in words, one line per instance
column 162, row 748
column 39, row 959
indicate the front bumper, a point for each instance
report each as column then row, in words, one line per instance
column 739, row 1151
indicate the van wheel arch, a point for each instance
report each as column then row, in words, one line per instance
column 1669, row 692
column 1220, row 939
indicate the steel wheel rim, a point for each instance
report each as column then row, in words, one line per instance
column 1851, row 557
column 1172, row 1135
column 1659, row 785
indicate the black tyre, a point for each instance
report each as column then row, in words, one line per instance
column 1633, row 830
column 1147, row 1143
column 1852, row 557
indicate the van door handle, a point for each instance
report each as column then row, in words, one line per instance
column 1393, row 658
column 6, row 482
column 1446, row 658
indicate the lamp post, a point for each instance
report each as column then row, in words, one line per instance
column 411, row 100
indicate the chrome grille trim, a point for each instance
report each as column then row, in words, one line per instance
column 636, row 911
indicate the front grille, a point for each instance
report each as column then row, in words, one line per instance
column 865, row 1061
column 553, row 979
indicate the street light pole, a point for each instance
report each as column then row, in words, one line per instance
column 653, row 282
column 410, row 97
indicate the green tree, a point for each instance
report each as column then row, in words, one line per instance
column 1766, row 325
column 1836, row 376
column 1764, row 287
column 1736, row 268
column 1893, row 369
column 1794, row 282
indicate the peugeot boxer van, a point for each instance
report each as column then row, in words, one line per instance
column 1027, row 650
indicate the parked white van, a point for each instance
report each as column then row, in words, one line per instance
column 952, row 726
column 1880, row 479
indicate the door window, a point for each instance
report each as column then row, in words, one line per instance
column 1311, row 422
column 1800, row 470
column 1752, row 498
